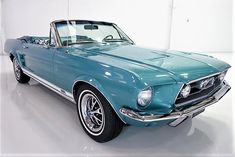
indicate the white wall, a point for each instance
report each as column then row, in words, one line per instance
column 202, row 25
column 198, row 25
column 233, row 30
column 31, row 17
column 1, row 32
column 146, row 22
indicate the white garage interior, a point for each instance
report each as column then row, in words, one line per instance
column 188, row 25
column 37, row 122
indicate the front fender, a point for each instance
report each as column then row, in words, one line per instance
column 96, row 84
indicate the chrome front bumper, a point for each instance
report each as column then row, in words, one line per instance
column 179, row 116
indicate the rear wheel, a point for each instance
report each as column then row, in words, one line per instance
column 97, row 117
column 19, row 75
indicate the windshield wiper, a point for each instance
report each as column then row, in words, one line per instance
column 82, row 42
column 116, row 40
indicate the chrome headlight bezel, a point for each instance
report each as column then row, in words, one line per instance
column 144, row 97
column 185, row 91
column 222, row 76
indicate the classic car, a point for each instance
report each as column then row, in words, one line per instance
column 115, row 83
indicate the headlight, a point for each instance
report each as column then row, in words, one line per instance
column 185, row 91
column 144, row 97
column 222, row 75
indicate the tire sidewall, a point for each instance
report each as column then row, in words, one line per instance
column 20, row 74
column 112, row 126
column 81, row 94
column 22, row 78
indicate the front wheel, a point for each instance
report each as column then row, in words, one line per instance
column 97, row 117
column 19, row 75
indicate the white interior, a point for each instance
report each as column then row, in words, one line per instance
column 1, row 32
column 192, row 25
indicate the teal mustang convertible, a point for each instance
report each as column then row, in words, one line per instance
column 114, row 82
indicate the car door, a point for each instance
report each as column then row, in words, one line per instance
column 39, row 60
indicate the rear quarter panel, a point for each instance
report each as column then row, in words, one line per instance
column 14, row 47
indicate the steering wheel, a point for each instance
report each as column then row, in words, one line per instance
column 108, row 37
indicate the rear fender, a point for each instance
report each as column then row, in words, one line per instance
column 14, row 48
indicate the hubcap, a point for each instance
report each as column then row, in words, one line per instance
column 17, row 69
column 92, row 112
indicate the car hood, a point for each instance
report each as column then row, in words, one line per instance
column 181, row 66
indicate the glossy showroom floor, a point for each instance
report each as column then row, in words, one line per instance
column 36, row 121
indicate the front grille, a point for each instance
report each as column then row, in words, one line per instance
column 197, row 93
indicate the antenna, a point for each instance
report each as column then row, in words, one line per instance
column 68, row 22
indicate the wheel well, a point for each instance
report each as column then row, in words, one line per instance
column 75, row 88
column 11, row 57
column 80, row 83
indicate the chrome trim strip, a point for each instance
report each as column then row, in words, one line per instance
column 49, row 85
column 201, row 78
column 62, row 92
column 178, row 116
column 56, row 35
column 179, row 92
column 52, row 32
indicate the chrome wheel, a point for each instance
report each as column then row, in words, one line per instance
column 91, row 112
column 96, row 114
column 17, row 69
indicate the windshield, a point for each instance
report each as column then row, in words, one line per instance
column 81, row 32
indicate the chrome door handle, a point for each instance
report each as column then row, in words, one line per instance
column 25, row 47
